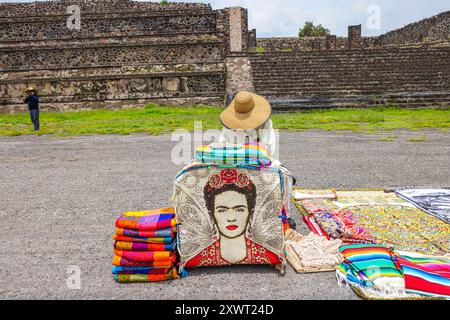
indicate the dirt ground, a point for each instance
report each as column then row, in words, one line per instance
column 61, row 196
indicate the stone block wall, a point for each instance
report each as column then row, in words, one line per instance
column 239, row 74
column 411, row 77
column 112, row 25
column 434, row 29
column 39, row 8
column 126, row 53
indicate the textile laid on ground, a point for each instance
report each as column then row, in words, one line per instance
column 230, row 215
column 246, row 154
column 426, row 276
column 312, row 253
column 433, row 201
column 314, row 194
column 145, row 249
column 379, row 272
column 377, row 217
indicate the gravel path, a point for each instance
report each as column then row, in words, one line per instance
column 60, row 197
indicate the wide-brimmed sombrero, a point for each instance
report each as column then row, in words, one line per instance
column 247, row 111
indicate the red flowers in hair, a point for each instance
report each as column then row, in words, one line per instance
column 228, row 176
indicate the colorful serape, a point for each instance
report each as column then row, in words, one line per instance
column 426, row 276
column 122, row 262
column 144, row 256
column 377, row 217
column 139, row 270
column 165, row 240
column 364, row 264
column 246, row 154
column 433, row 201
column 160, row 233
column 380, row 272
column 127, row 278
column 147, row 220
column 139, row 246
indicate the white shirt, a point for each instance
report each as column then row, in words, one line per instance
column 264, row 136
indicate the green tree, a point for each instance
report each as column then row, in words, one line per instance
column 310, row 30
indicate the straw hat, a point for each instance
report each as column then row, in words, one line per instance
column 247, row 111
column 31, row 89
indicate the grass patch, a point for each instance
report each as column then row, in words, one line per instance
column 389, row 138
column 156, row 120
column 418, row 139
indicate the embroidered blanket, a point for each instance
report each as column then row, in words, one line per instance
column 377, row 217
column 230, row 215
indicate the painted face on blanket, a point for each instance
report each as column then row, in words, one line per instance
column 230, row 199
column 231, row 213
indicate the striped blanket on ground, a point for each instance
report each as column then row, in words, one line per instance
column 145, row 246
column 380, row 272
column 426, row 276
column 246, row 154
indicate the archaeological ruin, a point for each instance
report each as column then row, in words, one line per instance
column 126, row 53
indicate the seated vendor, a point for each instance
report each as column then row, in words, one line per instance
column 247, row 120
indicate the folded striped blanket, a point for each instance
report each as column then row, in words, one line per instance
column 165, row 240
column 160, row 233
column 139, row 270
column 145, row 256
column 364, row 263
column 246, row 154
column 123, row 262
column 426, row 276
column 141, row 246
column 147, row 220
column 127, row 278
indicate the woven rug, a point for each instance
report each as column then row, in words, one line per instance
column 378, row 217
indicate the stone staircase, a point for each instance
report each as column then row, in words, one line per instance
column 168, row 54
column 409, row 77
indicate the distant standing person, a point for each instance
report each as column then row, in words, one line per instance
column 33, row 105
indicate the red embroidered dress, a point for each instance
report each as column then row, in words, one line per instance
column 256, row 254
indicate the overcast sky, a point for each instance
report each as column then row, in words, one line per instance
column 284, row 17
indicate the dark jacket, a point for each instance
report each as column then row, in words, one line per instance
column 33, row 102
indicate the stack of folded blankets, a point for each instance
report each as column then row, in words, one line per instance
column 253, row 154
column 144, row 249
